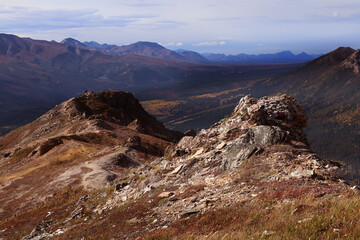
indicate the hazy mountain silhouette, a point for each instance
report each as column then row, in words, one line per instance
column 281, row 57
column 148, row 49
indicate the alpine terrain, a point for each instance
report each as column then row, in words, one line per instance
column 99, row 167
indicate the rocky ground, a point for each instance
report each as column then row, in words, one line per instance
column 86, row 141
column 241, row 171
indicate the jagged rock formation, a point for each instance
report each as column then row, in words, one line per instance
column 328, row 89
column 265, row 134
column 254, row 125
column 116, row 107
column 259, row 153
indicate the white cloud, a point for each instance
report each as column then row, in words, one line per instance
column 172, row 44
column 33, row 19
column 213, row 43
column 210, row 43
column 224, row 24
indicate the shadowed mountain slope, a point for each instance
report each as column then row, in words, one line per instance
column 329, row 89
column 36, row 75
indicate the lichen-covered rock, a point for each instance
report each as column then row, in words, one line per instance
column 274, row 110
column 122, row 160
column 254, row 125
column 265, row 135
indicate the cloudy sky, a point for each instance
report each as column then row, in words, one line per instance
column 228, row 26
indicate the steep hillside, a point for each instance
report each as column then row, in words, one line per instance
column 251, row 175
column 318, row 71
column 86, row 141
column 329, row 89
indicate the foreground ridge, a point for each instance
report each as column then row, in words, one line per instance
column 233, row 177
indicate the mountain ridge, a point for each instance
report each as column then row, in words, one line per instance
column 280, row 57
column 258, row 155
column 111, row 125
column 36, row 75
column 143, row 48
column 152, row 49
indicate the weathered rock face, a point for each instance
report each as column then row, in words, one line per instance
column 253, row 125
column 117, row 107
column 275, row 110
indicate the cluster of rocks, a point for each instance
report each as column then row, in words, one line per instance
column 254, row 125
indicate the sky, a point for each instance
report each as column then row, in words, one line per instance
column 216, row 26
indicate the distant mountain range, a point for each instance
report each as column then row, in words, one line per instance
column 147, row 49
column 35, row 75
column 281, row 57
column 151, row 49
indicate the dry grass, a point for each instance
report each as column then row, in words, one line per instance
column 72, row 154
column 161, row 107
column 52, row 158
column 291, row 214
column 60, row 205
column 123, row 221
column 22, row 153
column 218, row 94
column 333, row 217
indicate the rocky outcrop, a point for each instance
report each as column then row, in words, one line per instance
column 116, row 107
column 253, row 125
column 49, row 144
